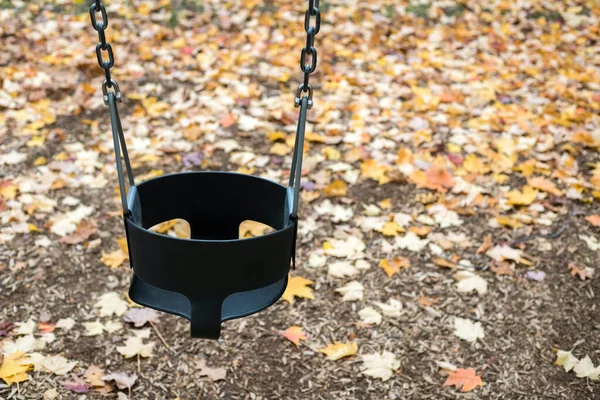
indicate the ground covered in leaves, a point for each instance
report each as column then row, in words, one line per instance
column 449, row 228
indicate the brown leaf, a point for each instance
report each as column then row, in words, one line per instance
column 215, row 374
column 85, row 229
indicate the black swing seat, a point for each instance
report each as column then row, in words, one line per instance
column 214, row 276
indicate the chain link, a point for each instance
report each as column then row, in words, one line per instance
column 104, row 46
column 308, row 57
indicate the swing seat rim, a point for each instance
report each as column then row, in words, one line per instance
column 157, row 179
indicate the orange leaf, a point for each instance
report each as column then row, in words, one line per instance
column 583, row 272
column 434, row 178
column 593, row 219
column 544, row 184
column 227, row 120
column 295, row 334
column 395, row 265
column 371, row 169
column 465, row 378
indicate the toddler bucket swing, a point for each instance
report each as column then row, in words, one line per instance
column 214, row 276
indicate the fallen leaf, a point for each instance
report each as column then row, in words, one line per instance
column 391, row 309
column 215, row 374
column 336, row 350
column 84, row 230
column 336, row 188
column 585, row 369
column 593, row 219
column 469, row 281
column 583, row 272
column 298, row 287
column 110, row 303
column 351, row 291
column 524, row 198
column 140, row 316
column 566, row 359
column 93, row 376
column 394, row 266
column 341, row 269
column 76, row 385
column 134, row 345
column 464, row 379
column 295, row 334
column 14, row 368
column 545, row 185
column 380, row 365
column 122, row 380
column 94, row 328
column 468, row 330
column 369, row 316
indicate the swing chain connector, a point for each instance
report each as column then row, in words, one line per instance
column 103, row 46
column 308, row 56
column 115, row 86
column 298, row 98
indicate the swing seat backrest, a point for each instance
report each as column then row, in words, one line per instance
column 214, row 275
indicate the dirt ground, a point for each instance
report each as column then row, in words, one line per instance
column 47, row 53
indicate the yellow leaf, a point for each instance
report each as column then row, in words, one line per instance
column 394, row 266
column 336, row 188
column 122, row 242
column 280, row 149
column 370, row 169
column 386, row 204
column 331, row 153
column 152, row 174
column 508, row 221
column 276, row 136
column 8, row 191
column 405, row 156
column 295, row 334
column 298, row 287
column 113, row 259
column 36, row 141
column 39, row 161
column 391, row 228
column 524, row 198
column 14, row 368
column 474, row 164
column 336, row 350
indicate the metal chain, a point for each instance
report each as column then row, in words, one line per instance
column 309, row 50
column 103, row 45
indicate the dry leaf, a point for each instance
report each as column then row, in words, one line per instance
column 566, row 360
column 464, row 379
column 295, row 334
column 351, row 291
column 298, row 287
column 336, row 350
column 380, row 365
column 14, row 368
column 336, row 188
column 110, row 303
column 524, row 198
column 468, row 330
column 215, row 374
column 394, row 266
